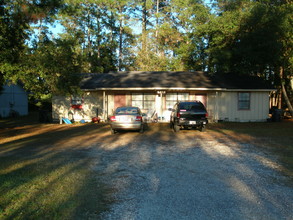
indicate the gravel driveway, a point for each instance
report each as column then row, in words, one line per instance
column 191, row 175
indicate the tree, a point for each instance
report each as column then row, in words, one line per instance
column 13, row 26
column 56, row 66
column 15, row 20
column 235, row 36
column 102, row 29
column 190, row 18
column 171, row 35
column 253, row 38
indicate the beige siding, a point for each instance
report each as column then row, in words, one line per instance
column 212, row 106
column 110, row 103
column 60, row 107
column 224, row 106
column 93, row 105
column 221, row 105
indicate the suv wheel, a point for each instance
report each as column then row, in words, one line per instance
column 202, row 128
column 176, row 127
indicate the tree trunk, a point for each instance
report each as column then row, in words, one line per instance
column 157, row 25
column 287, row 100
column 157, row 18
column 144, row 24
column 120, row 39
column 99, row 39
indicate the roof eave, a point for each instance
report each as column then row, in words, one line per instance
column 251, row 90
column 178, row 89
column 154, row 88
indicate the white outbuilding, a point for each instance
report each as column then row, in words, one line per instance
column 13, row 101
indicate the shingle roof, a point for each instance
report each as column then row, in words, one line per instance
column 165, row 80
column 234, row 81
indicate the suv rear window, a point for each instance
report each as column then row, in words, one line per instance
column 192, row 106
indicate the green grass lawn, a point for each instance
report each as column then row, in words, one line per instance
column 57, row 185
column 48, row 187
column 41, row 178
column 45, row 169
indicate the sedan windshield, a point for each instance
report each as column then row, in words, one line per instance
column 126, row 111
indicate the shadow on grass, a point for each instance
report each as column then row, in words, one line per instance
column 45, row 172
column 20, row 121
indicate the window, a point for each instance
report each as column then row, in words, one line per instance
column 243, row 101
column 143, row 100
column 76, row 102
column 172, row 98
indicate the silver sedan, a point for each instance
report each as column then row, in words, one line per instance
column 127, row 118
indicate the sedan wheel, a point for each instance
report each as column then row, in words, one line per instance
column 141, row 129
column 113, row 131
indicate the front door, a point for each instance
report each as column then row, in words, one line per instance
column 119, row 100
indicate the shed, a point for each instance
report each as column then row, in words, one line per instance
column 13, row 101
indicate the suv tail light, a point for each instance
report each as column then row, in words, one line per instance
column 178, row 115
column 207, row 115
column 138, row 118
column 112, row 118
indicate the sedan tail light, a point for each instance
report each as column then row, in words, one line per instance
column 112, row 118
column 138, row 118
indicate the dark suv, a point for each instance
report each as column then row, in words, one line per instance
column 188, row 115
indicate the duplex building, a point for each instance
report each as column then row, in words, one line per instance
column 227, row 98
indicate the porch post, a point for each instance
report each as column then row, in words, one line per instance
column 217, row 110
column 104, row 105
column 161, row 113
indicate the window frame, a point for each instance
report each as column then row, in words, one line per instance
column 173, row 100
column 76, row 101
column 243, row 101
column 143, row 99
